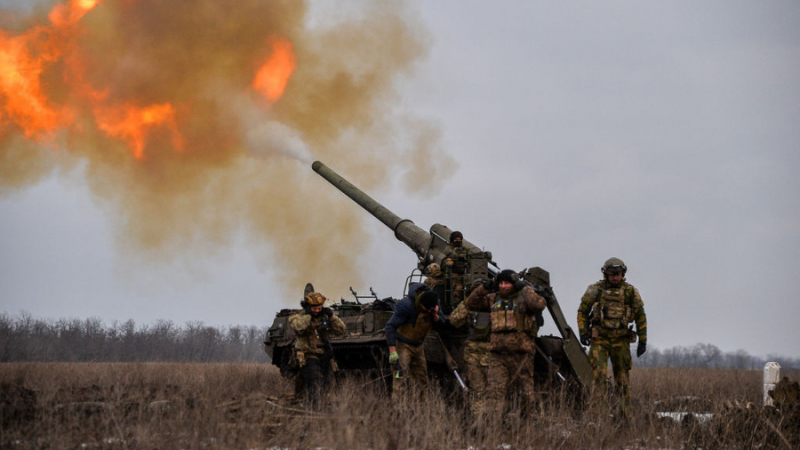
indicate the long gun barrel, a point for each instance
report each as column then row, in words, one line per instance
column 406, row 232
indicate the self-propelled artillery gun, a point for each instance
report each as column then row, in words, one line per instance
column 362, row 349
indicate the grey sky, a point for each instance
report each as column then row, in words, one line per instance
column 664, row 133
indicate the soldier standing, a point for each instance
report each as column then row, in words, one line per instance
column 476, row 318
column 512, row 340
column 455, row 264
column 606, row 310
column 414, row 316
column 436, row 281
column 313, row 327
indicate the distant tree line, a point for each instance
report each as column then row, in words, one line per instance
column 25, row 338
column 709, row 356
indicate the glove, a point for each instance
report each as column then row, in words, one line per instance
column 393, row 358
column 327, row 312
column 585, row 339
column 519, row 284
column 641, row 348
column 488, row 285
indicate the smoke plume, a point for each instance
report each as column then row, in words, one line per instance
column 198, row 119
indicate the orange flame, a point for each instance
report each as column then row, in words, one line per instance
column 23, row 59
column 66, row 14
column 132, row 124
column 273, row 76
column 23, row 101
column 27, row 58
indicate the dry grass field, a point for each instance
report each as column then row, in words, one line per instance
column 245, row 406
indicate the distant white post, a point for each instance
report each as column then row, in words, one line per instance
column 772, row 374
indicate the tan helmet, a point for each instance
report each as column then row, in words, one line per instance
column 432, row 269
column 613, row 265
column 315, row 299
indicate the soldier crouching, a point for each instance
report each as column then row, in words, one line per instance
column 413, row 318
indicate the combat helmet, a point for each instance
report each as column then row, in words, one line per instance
column 314, row 299
column 432, row 269
column 614, row 266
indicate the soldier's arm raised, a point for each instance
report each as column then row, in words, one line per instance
column 337, row 325
column 459, row 317
column 300, row 323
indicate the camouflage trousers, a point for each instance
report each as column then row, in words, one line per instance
column 507, row 370
column 315, row 376
column 476, row 359
column 411, row 369
column 457, row 289
column 618, row 350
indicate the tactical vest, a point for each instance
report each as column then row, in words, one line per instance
column 612, row 310
column 415, row 333
column 459, row 257
column 504, row 319
column 480, row 327
column 312, row 341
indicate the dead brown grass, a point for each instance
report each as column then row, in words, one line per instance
column 216, row 406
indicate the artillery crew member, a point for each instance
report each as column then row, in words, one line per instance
column 455, row 264
column 313, row 352
column 606, row 310
column 476, row 318
column 512, row 340
column 413, row 318
column 436, row 281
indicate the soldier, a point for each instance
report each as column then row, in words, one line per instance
column 476, row 318
column 606, row 310
column 512, row 340
column 413, row 318
column 455, row 264
column 435, row 280
column 314, row 354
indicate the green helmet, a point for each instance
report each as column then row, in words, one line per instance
column 432, row 269
column 614, row 266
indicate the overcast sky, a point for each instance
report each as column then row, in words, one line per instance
column 662, row 133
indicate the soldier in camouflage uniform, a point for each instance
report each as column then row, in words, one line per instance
column 606, row 310
column 476, row 318
column 513, row 310
column 455, row 264
column 436, row 281
column 413, row 318
column 313, row 352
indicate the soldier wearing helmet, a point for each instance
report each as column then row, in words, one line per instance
column 313, row 352
column 436, row 281
column 606, row 315
column 512, row 305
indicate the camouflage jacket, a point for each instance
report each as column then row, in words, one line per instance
column 513, row 317
column 455, row 260
column 313, row 333
column 597, row 310
column 478, row 322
